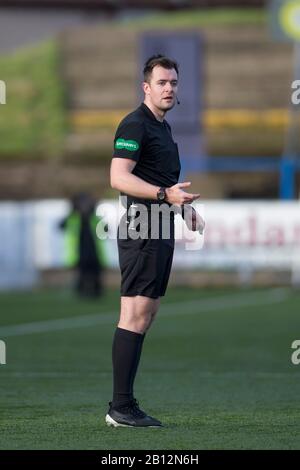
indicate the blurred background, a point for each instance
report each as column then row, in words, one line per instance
column 70, row 70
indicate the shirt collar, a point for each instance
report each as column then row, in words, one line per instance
column 149, row 113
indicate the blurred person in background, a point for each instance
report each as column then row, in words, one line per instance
column 84, row 251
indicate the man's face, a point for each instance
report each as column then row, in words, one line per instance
column 162, row 88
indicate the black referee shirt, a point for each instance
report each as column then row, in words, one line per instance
column 149, row 142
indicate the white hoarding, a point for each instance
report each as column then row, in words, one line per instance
column 242, row 235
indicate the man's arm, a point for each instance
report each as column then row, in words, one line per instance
column 122, row 179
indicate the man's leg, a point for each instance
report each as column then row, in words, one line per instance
column 137, row 314
column 79, row 286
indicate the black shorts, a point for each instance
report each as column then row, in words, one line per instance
column 146, row 263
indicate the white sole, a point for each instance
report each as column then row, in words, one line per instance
column 111, row 422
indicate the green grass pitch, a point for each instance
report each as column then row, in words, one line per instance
column 216, row 369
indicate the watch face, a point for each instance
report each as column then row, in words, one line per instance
column 161, row 195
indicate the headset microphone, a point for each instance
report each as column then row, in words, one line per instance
column 178, row 102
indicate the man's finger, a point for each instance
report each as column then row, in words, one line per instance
column 191, row 197
column 184, row 185
column 188, row 198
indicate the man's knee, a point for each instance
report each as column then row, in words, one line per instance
column 137, row 314
column 153, row 313
column 141, row 320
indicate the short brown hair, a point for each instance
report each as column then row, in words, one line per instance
column 161, row 60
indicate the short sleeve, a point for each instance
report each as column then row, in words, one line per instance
column 128, row 140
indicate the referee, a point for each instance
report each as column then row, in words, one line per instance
column 145, row 168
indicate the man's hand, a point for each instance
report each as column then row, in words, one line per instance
column 176, row 196
column 192, row 219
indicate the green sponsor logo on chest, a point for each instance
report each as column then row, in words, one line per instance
column 131, row 145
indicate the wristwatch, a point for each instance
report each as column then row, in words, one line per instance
column 161, row 194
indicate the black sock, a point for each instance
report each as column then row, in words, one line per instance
column 126, row 353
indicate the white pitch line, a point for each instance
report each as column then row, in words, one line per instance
column 46, row 326
column 188, row 307
column 230, row 302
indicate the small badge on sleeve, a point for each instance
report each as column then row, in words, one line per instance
column 131, row 145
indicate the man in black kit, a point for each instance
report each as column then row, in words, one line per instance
column 145, row 168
